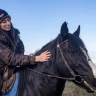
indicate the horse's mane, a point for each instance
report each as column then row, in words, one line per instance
column 74, row 41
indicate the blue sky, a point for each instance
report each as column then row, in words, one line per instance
column 39, row 21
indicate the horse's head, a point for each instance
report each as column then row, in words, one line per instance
column 73, row 60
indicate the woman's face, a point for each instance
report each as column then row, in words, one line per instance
column 6, row 24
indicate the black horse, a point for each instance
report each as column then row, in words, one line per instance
column 69, row 61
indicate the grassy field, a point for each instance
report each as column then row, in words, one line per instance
column 73, row 90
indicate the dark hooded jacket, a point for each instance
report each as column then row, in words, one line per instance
column 12, row 50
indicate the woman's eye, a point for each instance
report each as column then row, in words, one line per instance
column 3, row 21
column 8, row 19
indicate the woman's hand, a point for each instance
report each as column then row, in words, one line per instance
column 43, row 56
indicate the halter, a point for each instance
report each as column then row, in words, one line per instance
column 77, row 78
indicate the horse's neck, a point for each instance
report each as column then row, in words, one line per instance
column 61, row 86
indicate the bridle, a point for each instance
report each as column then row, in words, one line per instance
column 77, row 78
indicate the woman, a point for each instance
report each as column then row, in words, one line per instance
column 12, row 55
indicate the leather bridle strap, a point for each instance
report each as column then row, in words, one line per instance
column 49, row 75
column 75, row 77
column 65, row 62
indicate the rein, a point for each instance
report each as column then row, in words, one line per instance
column 49, row 75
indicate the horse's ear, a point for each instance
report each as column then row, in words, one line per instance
column 77, row 32
column 64, row 30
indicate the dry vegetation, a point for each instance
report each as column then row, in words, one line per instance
column 73, row 90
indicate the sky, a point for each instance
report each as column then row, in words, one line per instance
column 39, row 21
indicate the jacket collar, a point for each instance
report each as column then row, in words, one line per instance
column 15, row 39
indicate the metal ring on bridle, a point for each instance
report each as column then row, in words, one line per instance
column 78, row 79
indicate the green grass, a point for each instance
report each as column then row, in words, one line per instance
column 73, row 90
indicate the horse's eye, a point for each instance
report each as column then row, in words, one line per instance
column 72, row 51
